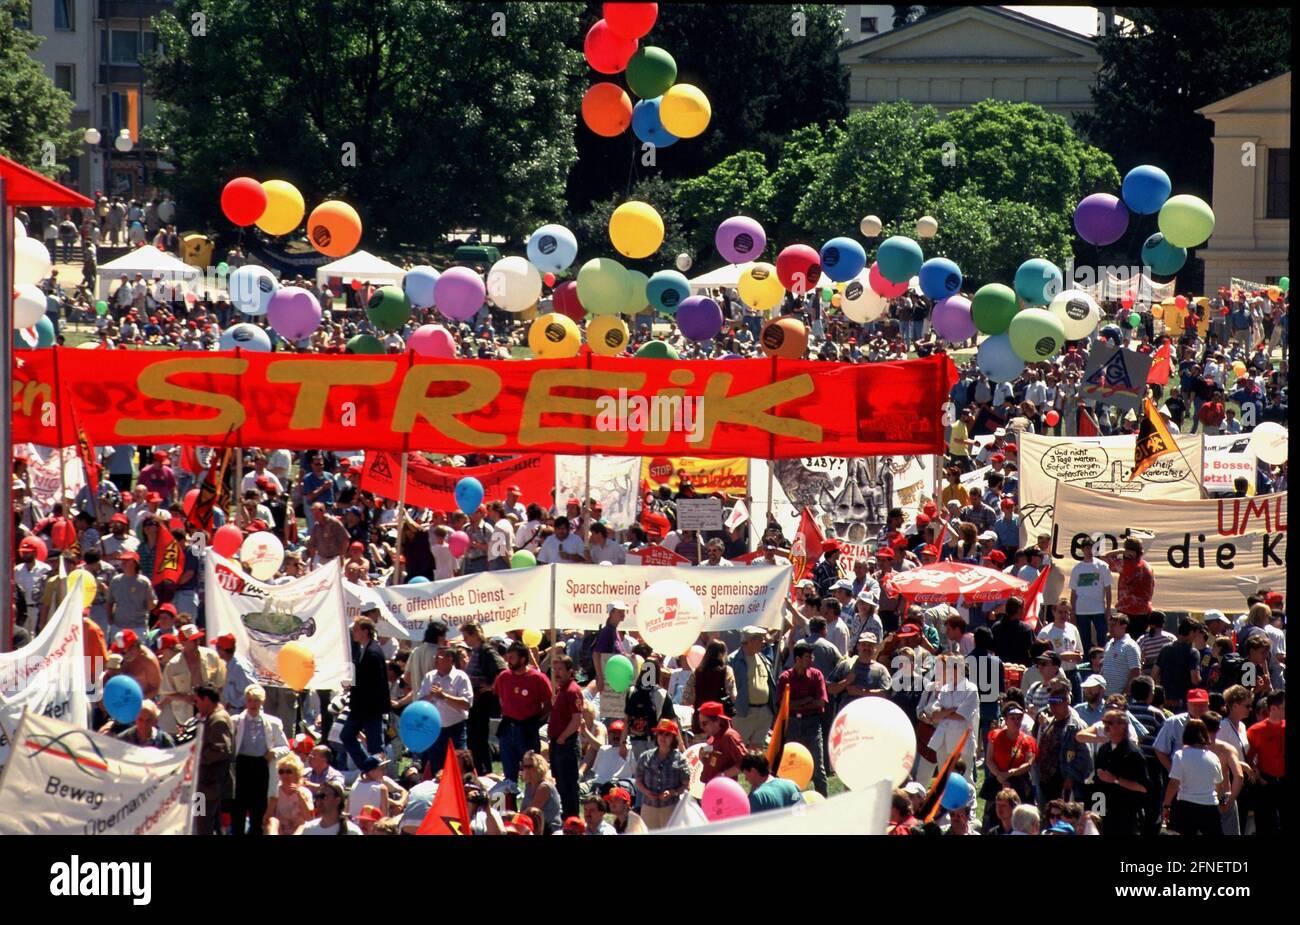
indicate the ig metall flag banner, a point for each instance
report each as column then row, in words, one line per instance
column 63, row 779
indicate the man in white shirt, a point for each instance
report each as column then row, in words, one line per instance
column 769, row 557
column 1090, row 596
column 562, row 546
column 449, row 689
column 713, row 551
column 1063, row 635
column 600, row 548
column 260, row 471
column 613, row 761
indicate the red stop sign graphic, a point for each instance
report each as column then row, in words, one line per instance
column 661, row 470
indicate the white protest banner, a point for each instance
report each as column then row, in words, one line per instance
column 356, row 596
column 848, row 498
column 974, row 478
column 263, row 618
column 43, row 481
column 1205, row 554
column 737, row 516
column 860, row 812
column 1227, row 457
column 614, row 484
column 1099, row 464
column 699, row 513
column 509, row 599
column 48, row 676
column 1115, row 376
column 733, row 597
column 63, row 779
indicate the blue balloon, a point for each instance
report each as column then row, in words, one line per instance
column 1038, row 281
column 420, row 726
column 957, row 793
column 552, row 248
column 417, row 580
column 1145, row 189
column 418, row 285
column 646, row 125
column 122, row 698
column 899, row 258
column 939, row 278
column 1112, row 333
column 1162, row 257
column 666, row 290
column 469, row 494
column 997, row 360
column 44, row 333
column 842, row 259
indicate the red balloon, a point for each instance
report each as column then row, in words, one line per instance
column 606, row 50
column 243, row 200
column 1180, row 301
column 565, row 301
column 1127, row 301
column 42, row 551
column 548, row 279
column 188, row 504
column 630, row 20
column 1052, row 418
column 356, row 285
column 227, row 540
column 883, row 287
column 798, row 267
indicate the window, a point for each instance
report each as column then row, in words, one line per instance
column 64, row 19
column 65, row 78
column 1279, row 183
column 867, row 25
column 124, row 47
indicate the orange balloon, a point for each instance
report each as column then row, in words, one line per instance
column 607, row 109
column 334, row 228
column 786, row 338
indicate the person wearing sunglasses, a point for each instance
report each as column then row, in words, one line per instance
column 1121, row 774
column 332, row 821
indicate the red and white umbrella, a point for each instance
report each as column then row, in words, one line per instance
column 948, row 582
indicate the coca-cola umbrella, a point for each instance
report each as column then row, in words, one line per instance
column 948, row 582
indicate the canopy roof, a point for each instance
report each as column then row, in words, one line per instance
column 26, row 187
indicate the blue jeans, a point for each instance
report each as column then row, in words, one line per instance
column 1087, row 624
column 807, row 731
column 457, row 735
column 372, row 726
column 517, row 737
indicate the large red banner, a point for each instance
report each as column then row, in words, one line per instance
column 434, row 487
column 588, row 404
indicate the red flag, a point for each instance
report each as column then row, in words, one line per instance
column 1087, row 426
column 169, row 558
column 434, row 487
column 86, row 452
column 190, row 459
column 449, row 812
column 805, row 549
column 1033, row 596
column 931, row 805
column 1161, row 364
column 211, row 490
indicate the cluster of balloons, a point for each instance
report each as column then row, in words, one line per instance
column 667, row 110
column 31, row 264
column 277, row 207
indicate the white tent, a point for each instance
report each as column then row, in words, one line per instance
column 727, row 277
column 150, row 263
column 362, row 266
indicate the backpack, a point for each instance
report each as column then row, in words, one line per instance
column 587, row 654
column 1231, row 667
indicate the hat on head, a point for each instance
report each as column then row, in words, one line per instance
column 997, row 556
column 129, row 554
column 713, row 709
column 189, row 632
column 885, row 553
column 842, row 584
column 1213, row 616
column 752, row 632
column 521, row 824
column 515, row 488
column 908, row 631
column 167, row 608
column 1008, row 504
column 998, row 457
column 929, row 549
column 1050, row 656
column 1013, row 708
column 869, row 596
column 1094, row 680
column 616, row 605
column 806, row 583
column 225, row 642
column 1010, row 448
column 372, row 762
column 371, row 813
column 1000, row 432
column 119, row 519
column 618, row 793
column 303, row 743
column 988, row 536
column 1198, row 695
column 574, row 824
column 1274, row 599
column 153, row 498
column 869, row 638
column 617, row 726
column 830, row 546
column 667, row 727
column 915, row 788
column 168, row 640
column 922, row 520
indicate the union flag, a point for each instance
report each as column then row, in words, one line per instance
column 449, row 812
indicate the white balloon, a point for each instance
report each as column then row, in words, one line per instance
column 860, row 303
column 1268, row 441
column 20, row 230
column 514, row 284
column 669, row 616
column 31, row 261
column 123, row 143
column 262, row 554
column 246, row 336
column 872, row 740
column 684, row 262
column 1078, row 311
column 871, row 226
column 92, row 136
column 29, row 305
column 927, row 226
column 251, row 288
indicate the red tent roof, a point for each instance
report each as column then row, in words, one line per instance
column 25, row 187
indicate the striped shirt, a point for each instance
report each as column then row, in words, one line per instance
column 1122, row 656
column 1150, row 645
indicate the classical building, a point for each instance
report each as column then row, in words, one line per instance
column 961, row 55
column 1252, row 185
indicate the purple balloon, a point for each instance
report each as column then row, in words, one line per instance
column 459, row 293
column 699, row 318
column 294, row 313
column 432, row 340
column 952, row 319
column 740, row 239
column 1101, row 219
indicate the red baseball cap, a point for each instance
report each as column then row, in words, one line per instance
column 885, row 553
column 1198, row 695
column 522, row 824
column 1008, row 503
column 618, row 793
column 371, row 813
column 666, row 726
column 120, row 519
column 574, row 824
column 515, row 488
column 167, row 640
column 930, row 550
column 713, row 709
column 1274, row 599
column 922, row 520
column 153, row 498
column 830, row 546
column 997, row 556
column 574, row 502
column 189, row 632
column 909, row 630
column 303, row 743
column 617, row 726
column 129, row 554
column 929, row 509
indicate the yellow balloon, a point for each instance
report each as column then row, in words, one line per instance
column 636, row 230
column 284, row 208
column 760, row 288
column 88, row 589
column 684, row 110
column 796, row 764
column 295, row 664
column 811, row 797
column 607, row 335
column 554, row 337
column 532, row 638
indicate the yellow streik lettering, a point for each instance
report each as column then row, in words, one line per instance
column 316, row 380
column 541, row 399
column 481, row 386
column 153, row 384
column 750, row 408
column 35, row 393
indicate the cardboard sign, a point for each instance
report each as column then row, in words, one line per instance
column 699, row 514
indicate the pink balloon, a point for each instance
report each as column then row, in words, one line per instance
column 459, row 293
column 227, row 540
column 724, row 799
column 432, row 340
column 293, row 312
column 883, row 287
column 458, row 543
column 694, row 657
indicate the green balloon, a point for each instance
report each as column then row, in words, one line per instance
column 523, row 559
column 388, row 308
column 657, row 350
column 637, row 301
column 1284, row 284
column 993, row 308
column 1186, row 221
column 44, row 333
column 827, row 293
column 101, row 307
column 366, row 343
column 650, row 72
column 603, row 286
column 618, row 673
column 223, row 268
column 1036, row 334
column 1134, row 319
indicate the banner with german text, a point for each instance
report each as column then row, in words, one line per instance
column 730, row 476
column 432, row 486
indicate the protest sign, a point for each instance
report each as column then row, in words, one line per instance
column 728, row 475
column 736, row 516
column 63, row 779
column 432, row 486
column 699, row 513
column 509, row 599
column 1227, row 457
column 656, row 555
column 1205, row 554
column 1115, row 376
column 44, row 482
column 263, row 618
column 358, row 597
column 614, row 484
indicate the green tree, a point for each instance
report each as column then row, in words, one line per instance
column 806, row 154
column 734, row 187
column 34, row 114
column 1168, row 63
column 449, row 123
column 592, row 228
